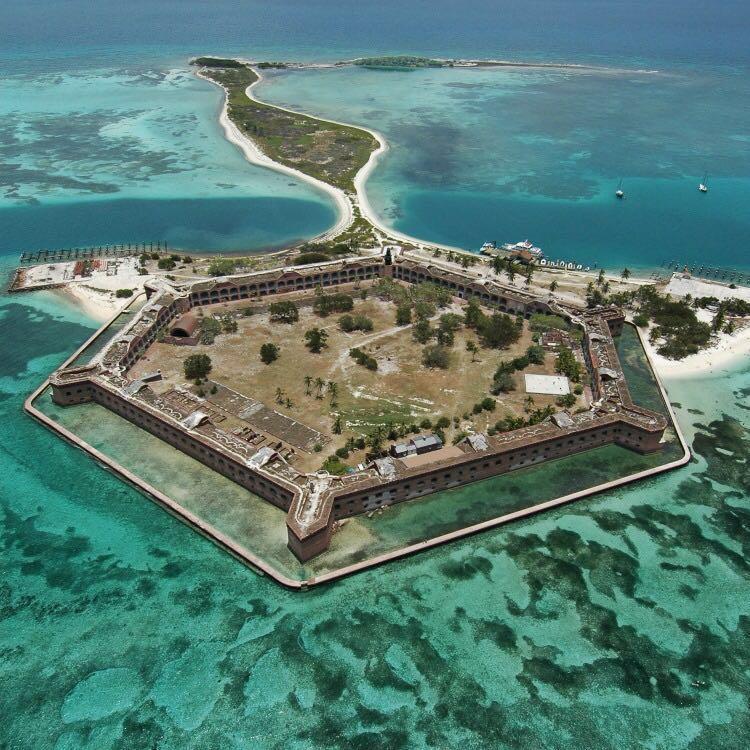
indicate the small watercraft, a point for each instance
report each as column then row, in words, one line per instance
column 619, row 193
column 703, row 187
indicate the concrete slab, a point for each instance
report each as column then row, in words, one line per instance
column 550, row 385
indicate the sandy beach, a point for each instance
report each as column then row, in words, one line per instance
column 345, row 203
column 727, row 352
column 254, row 155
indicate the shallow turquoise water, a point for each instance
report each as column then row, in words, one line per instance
column 584, row 627
column 618, row 622
column 499, row 154
column 122, row 155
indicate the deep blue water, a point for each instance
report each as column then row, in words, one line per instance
column 190, row 224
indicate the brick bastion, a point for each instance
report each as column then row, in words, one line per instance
column 316, row 502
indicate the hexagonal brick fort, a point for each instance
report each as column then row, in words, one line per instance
column 315, row 502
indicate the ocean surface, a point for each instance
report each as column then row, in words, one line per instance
column 622, row 621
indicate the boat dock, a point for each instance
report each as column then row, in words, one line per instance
column 36, row 257
column 714, row 273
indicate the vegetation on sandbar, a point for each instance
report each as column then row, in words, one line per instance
column 324, row 150
column 399, row 62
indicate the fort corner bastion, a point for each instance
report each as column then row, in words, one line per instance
column 316, row 502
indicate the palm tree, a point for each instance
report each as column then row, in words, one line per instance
column 600, row 280
column 625, row 273
column 605, row 287
column 528, row 404
column 511, row 272
column 471, row 346
column 337, row 425
column 308, row 384
column 553, row 285
column 333, row 390
column 320, row 384
column 279, row 396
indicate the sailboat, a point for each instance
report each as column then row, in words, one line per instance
column 619, row 192
column 703, row 187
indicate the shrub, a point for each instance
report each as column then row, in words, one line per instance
column 422, row 331
column 442, row 423
column 197, row 366
column 316, row 339
column 436, row 356
column 222, row 267
column 269, row 353
column 349, row 323
column 247, row 312
column 535, row 355
column 165, row 264
column 304, row 258
column 361, row 358
column 210, row 328
column 578, row 389
column 568, row 365
column 403, row 314
column 488, row 404
column 343, row 452
column 640, row 319
column 476, row 409
column 325, row 304
column 425, row 424
column 566, row 401
column 334, row 466
column 499, row 331
column 123, row 293
column 503, row 383
column 317, row 447
column 283, row 312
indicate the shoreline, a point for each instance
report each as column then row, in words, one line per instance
column 361, row 201
column 728, row 351
column 253, row 154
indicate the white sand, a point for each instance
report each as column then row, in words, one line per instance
column 345, row 202
column 254, row 155
column 728, row 351
column 96, row 303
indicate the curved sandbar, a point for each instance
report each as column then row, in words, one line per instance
column 255, row 155
column 349, row 204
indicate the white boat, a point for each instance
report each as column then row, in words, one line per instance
column 703, row 187
column 619, row 192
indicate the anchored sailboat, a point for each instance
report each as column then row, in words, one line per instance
column 703, row 187
column 619, row 192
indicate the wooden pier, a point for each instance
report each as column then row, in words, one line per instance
column 712, row 273
column 36, row 257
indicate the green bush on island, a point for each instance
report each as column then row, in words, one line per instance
column 361, row 358
column 567, row 364
column 222, row 267
column 283, row 312
column 324, row 304
column 396, row 62
column 304, row 259
column 165, row 264
column 210, row 328
column 436, row 356
column 316, row 339
column 197, row 366
column 349, row 323
column 123, row 293
column 269, row 353
column 217, row 62
column 675, row 324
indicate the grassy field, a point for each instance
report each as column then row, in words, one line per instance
column 329, row 152
column 401, row 392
